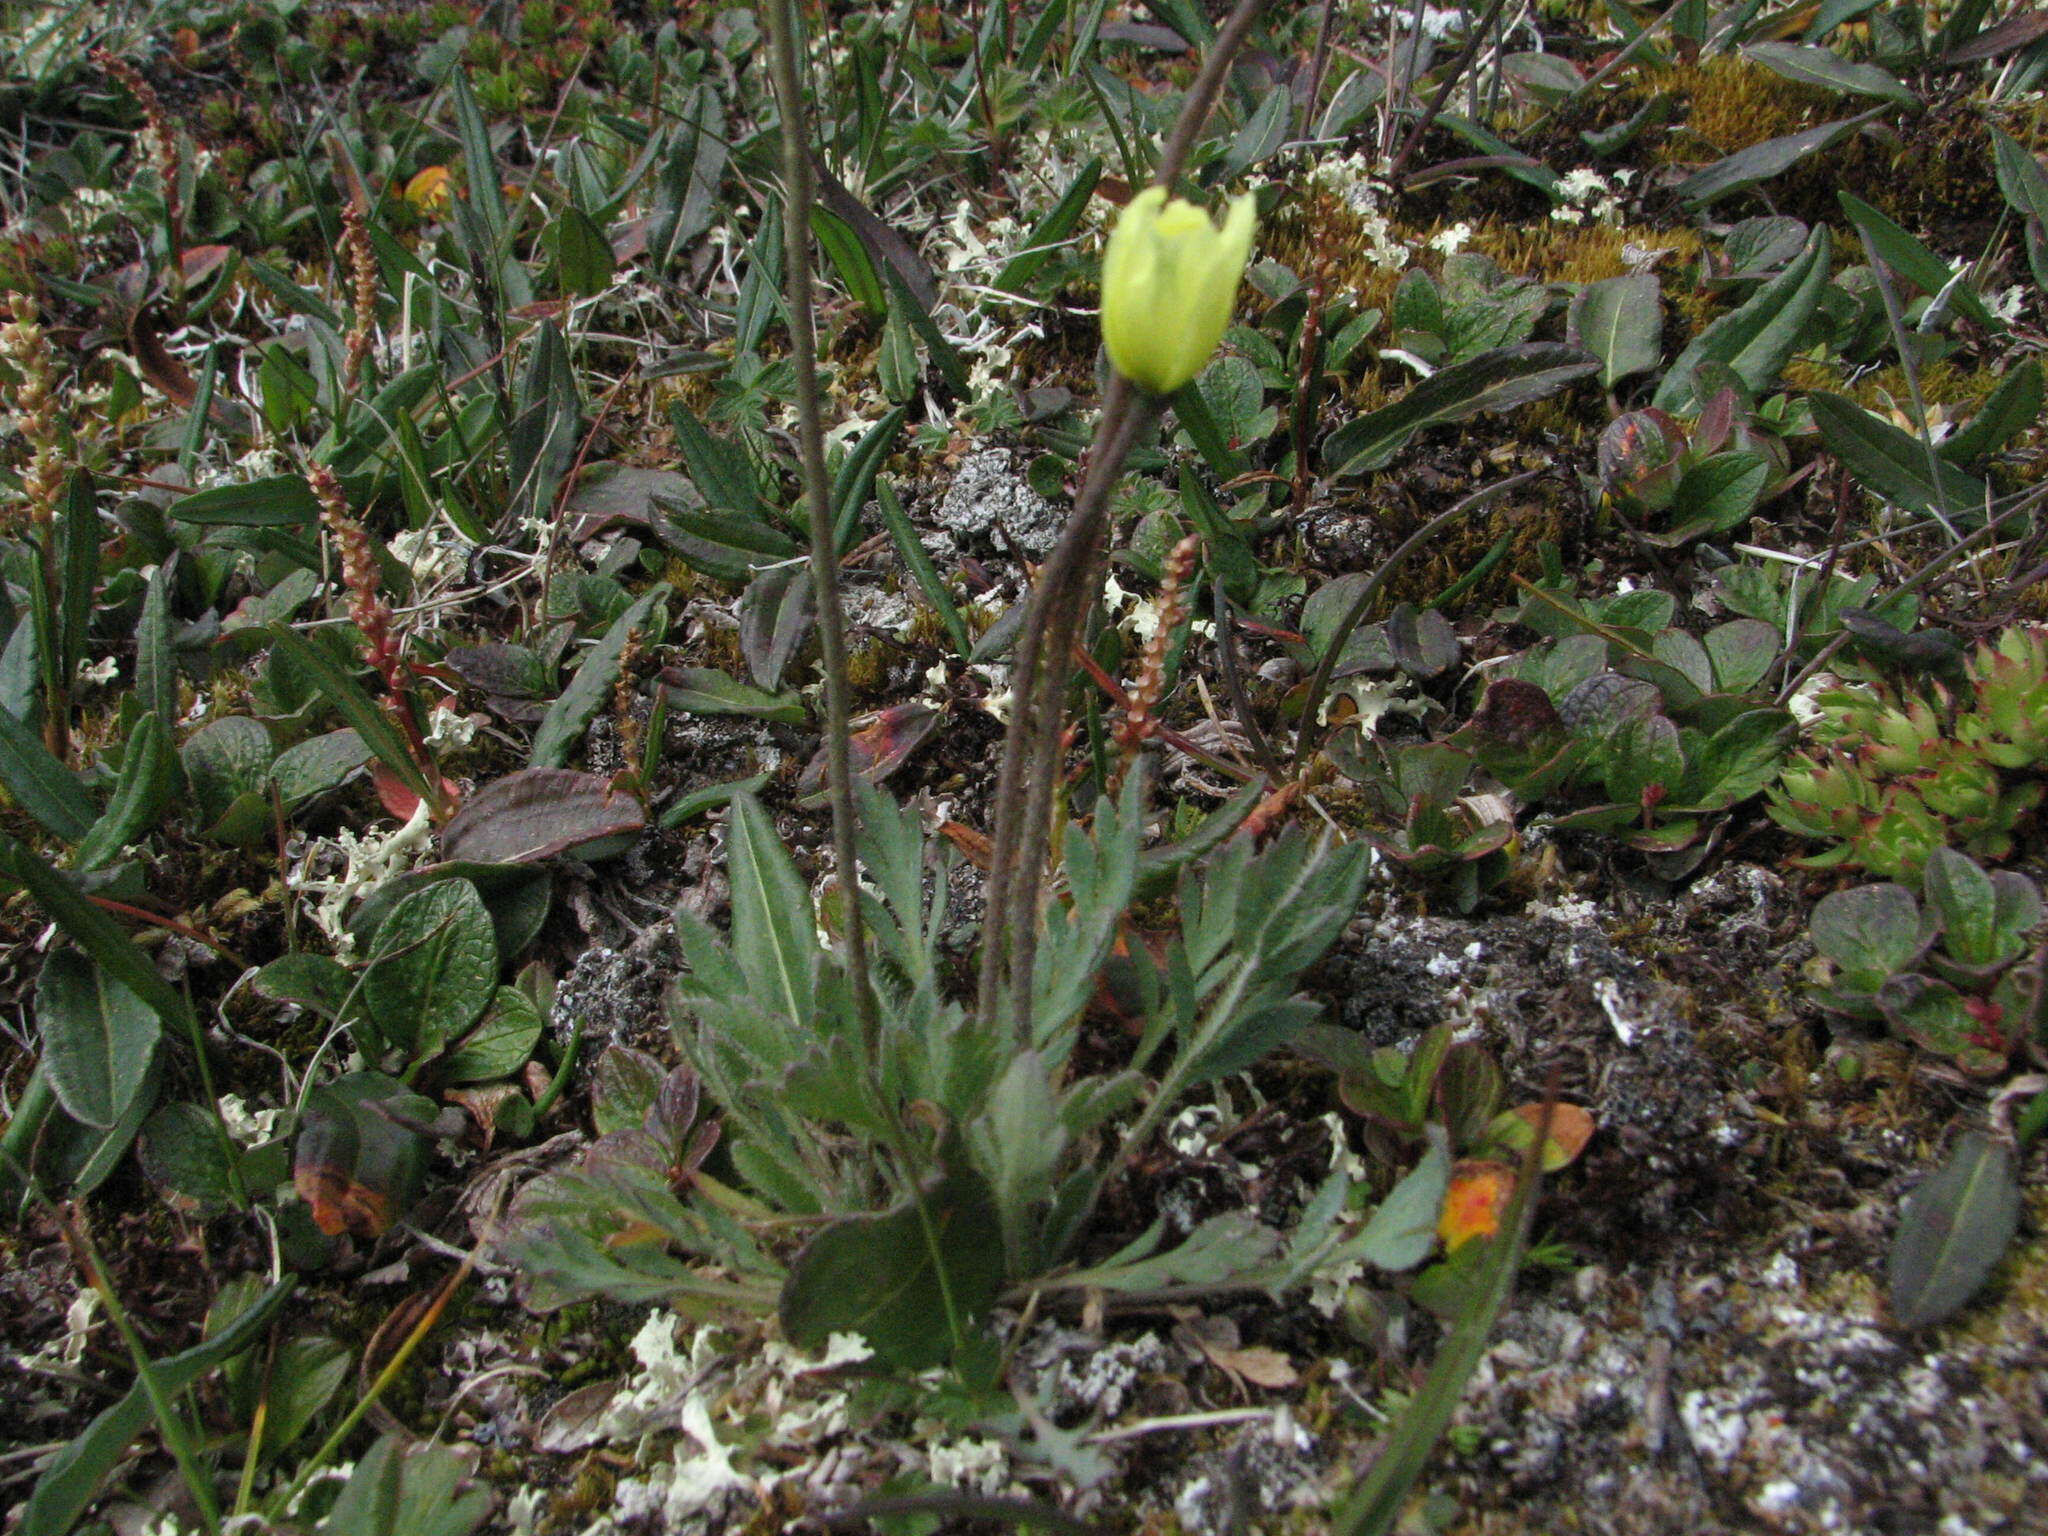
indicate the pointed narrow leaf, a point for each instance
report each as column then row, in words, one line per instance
column 97, row 1038
column 1892, row 464
column 1953, row 1230
column 1760, row 162
column 1756, row 339
column 570, row 715
column 72, row 1479
column 1493, row 381
column 40, row 785
column 1830, row 71
column 773, row 925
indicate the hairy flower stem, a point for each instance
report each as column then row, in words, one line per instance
column 783, row 30
column 1066, row 589
column 1474, row 40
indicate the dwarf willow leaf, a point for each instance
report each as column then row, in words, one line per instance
column 436, row 962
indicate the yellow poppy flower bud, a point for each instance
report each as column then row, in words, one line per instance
column 1169, row 281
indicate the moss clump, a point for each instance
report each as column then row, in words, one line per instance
column 1732, row 104
column 1553, row 252
column 867, row 668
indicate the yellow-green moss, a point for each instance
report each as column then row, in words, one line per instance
column 1554, row 252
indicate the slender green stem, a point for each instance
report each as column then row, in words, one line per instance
column 1061, row 597
column 282, row 1505
column 168, row 1424
column 1459, row 65
column 784, row 28
column 1376, row 1503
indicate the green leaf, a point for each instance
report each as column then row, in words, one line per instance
column 183, row 1153
column 95, row 933
column 1717, row 495
column 435, row 968
column 707, row 691
column 1893, row 465
column 896, row 1277
column 2021, row 179
column 224, row 760
column 1742, row 651
column 72, row 1479
column 570, row 715
column 156, row 666
column 1891, row 244
column 501, row 1043
column 317, row 764
column 1966, row 903
column 306, row 1375
column 919, row 563
column 42, row 786
column 97, row 1038
column 774, row 935
column 720, row 470
column 407, row 1488
column 1830, row 71
column 1403, row 1229
column 1050, row 231
column 371, row 722
column 1953, row 1230
column 1760, row 162
column 148, row 772
column 850, row 259
column 2012, row 408
column 855, row 481
column 280, row 501
column 1756, row 339
column 583, row 255
column 1493, row 381
column 1620, row 321
column 79, row 543
column 1870, row 931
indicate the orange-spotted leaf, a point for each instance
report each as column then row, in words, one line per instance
column 361, row 1153
column 1479, row 1193
column 1570, row 1129
column 430, row 189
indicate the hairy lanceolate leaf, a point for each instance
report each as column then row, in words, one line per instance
column 1829, row 70
column 1892, row 464
column 1760, row 162
column 1620, row 321
column 570, row 715
column 542, row 813
column 97, row 1037
column 72, row 1479
column 892, row 1276
column 1953, row 1230
column 2012, row 408
column 774, row 935
column 370, row 720
column 41, row 785
column 1756, row 339
column 775, row 619
column 148, row 772
column 1493, row 381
